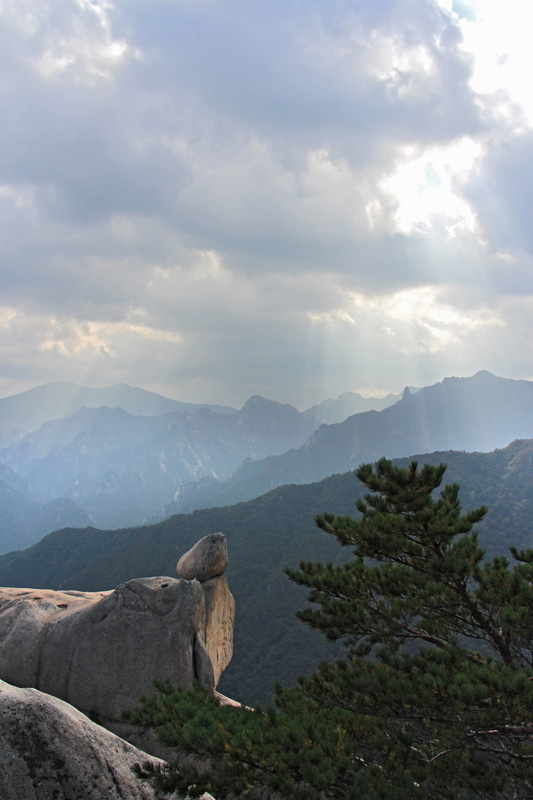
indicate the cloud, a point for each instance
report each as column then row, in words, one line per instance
column 192, row 194
column 502, row 192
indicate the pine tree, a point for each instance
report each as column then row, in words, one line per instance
column 434, row 696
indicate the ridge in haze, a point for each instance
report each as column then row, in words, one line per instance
column 121, row 469
column 27, row 411
column 482, row 412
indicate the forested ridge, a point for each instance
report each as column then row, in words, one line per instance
column 432, row 696
column 266, row 535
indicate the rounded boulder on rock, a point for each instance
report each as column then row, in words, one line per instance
column 207, row 559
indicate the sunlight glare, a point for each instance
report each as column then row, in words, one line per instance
column 425, row 187
column 498, row 36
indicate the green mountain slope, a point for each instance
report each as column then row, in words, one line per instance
column 265, row 535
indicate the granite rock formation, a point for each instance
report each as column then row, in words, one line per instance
column 51, row 751
column 100, row 651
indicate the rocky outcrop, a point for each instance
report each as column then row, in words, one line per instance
column 50, row 751
column 207, row 559
column 100, row 651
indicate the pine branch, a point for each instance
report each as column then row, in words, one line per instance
column 499, row 640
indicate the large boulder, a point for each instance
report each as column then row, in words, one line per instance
column 50, row 751
column 100, row 651
column 208, row 558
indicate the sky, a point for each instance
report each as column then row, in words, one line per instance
column 295, row 199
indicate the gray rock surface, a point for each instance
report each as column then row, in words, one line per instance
column 202, row 663
column 50, row 751
column 208, row 558
column 220, row 618
column 101, row 651
column 24, row 617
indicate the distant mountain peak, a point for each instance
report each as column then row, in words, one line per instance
column 479, row 375
column 484, row 374
column 27, row 411
column 258, row 401
column 255, row 399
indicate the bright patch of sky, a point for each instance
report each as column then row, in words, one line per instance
column 425, row 188
column 498, row 36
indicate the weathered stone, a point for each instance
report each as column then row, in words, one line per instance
column 50, row 751
column 101, row 651
column 207, row 559
column 102, row 659
column 24, row 617
column 202, row 663
column 220, row 619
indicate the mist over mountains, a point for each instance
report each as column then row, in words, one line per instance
column 265, row 535
column 27, row 411
column 115, row 456
column 141, row 456
column 479, row 413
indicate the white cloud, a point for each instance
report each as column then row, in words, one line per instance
column 418, row 320
column 197, row 193
column 70, row 338
column 71, row 40
column 497, row 36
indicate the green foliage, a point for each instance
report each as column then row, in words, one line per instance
column 264, row 536
column 433, row 697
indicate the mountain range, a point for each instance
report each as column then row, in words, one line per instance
column 264, row 536
column 119, row 463
column 113, row 468
column 483, row 412
column 27, row 411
